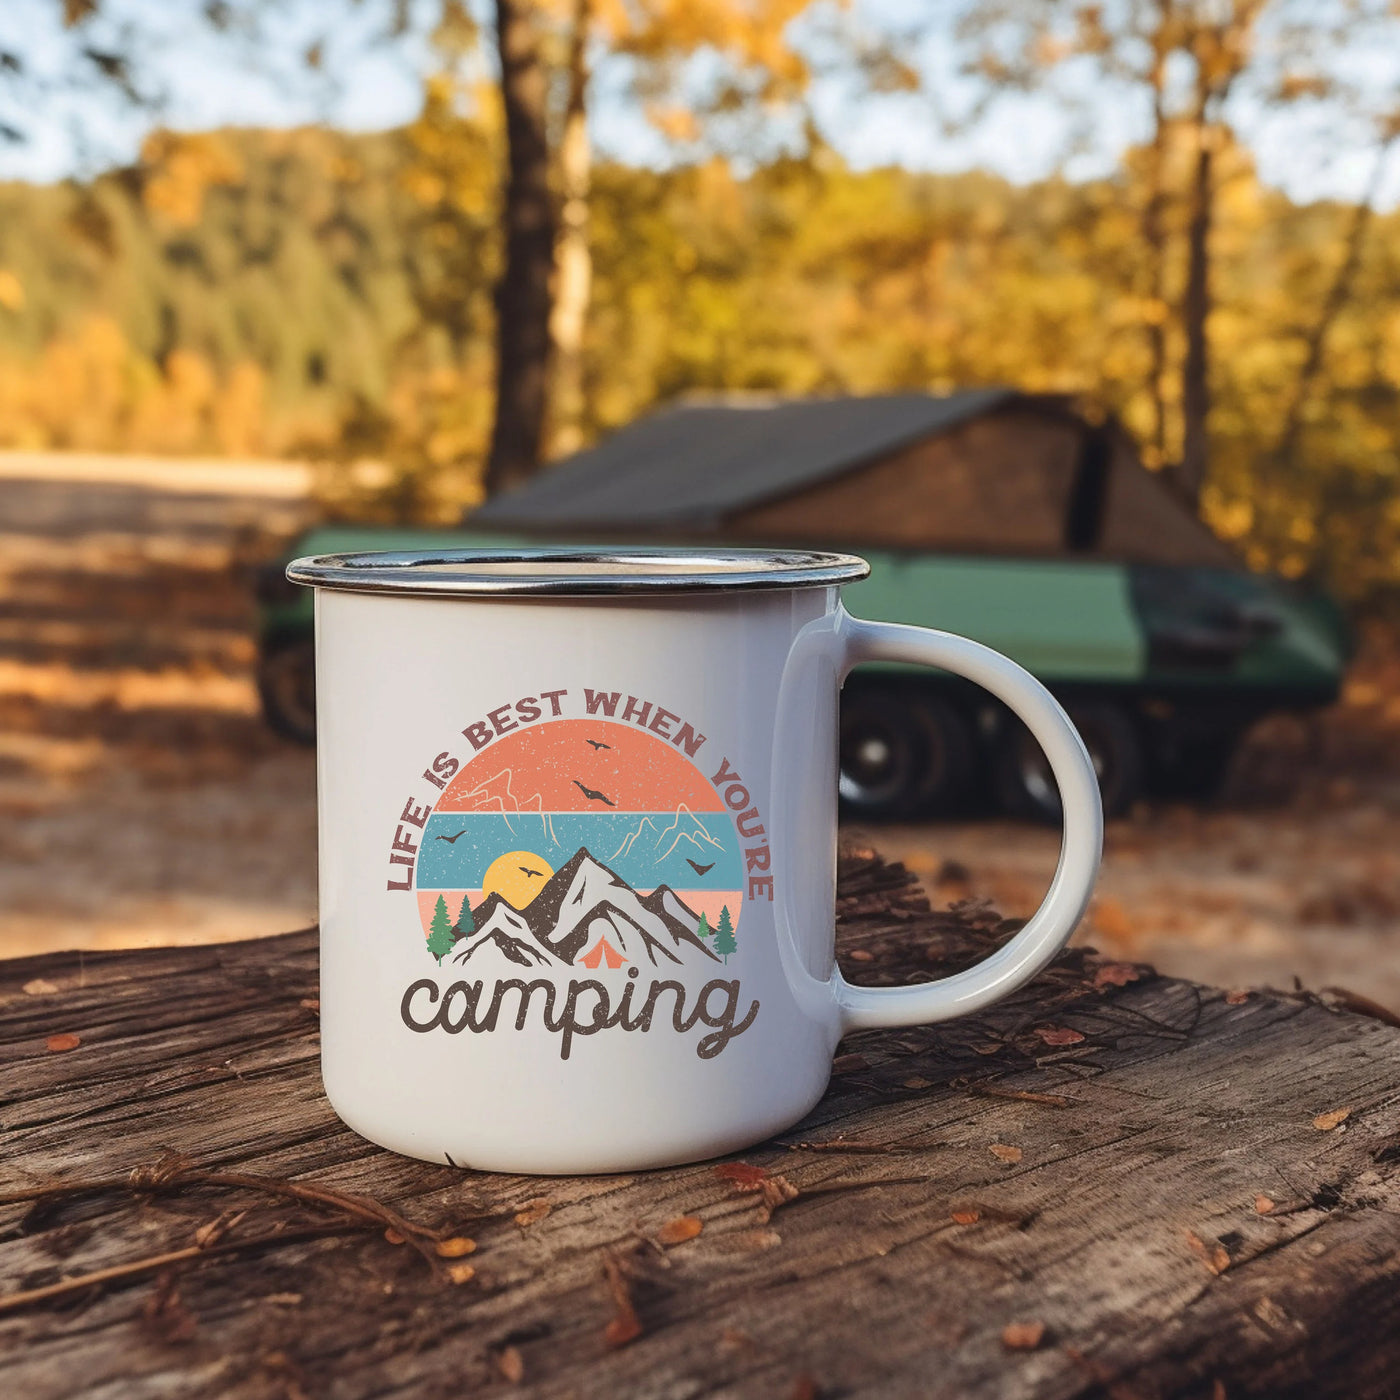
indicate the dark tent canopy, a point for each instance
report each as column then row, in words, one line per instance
column 985, row 471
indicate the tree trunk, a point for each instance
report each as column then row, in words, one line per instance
column 523, row 293
column 1195, row 313
column 1154, row 236
column 1338, row 294
column 573, row 264
column 1221, row 51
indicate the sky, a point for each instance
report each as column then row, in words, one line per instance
column 199, row 79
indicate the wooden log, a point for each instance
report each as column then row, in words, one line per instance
column 1114, row 1184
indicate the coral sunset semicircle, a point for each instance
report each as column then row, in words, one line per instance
column 556, row 766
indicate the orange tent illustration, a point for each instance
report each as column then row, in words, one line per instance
column 600, row 950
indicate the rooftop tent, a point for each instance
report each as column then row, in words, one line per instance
column 986, row 471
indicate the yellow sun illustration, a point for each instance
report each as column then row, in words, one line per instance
column 517, row 876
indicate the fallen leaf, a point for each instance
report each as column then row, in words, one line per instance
column 1004, row 1153
column 66, row 1041
column 511, row 1364
column 309, row 1004
column 39, row 987
column 283, row 1300
column 1215, row 1257
column 987, row 1049
column 966, row 1217
column 625, row 1325
column 1236, row 997
column 1022, row 1336
column 533, row 1211
column 461, row 1273
column 775, row 1190
column 1116, row 974
column 679, row 1230
column 1325, row 1122
column 742, row 1174
column 393, row 1236
column 846, row 1064
column 455, row 1247
column 1262, row 1204
column 918, row 1082
column 1059, row 1035
column 861, row 955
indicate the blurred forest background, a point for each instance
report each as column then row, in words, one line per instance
column 423, row 247
column 315, row 293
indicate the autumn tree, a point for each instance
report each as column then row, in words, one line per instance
column 542, row 301
column 1188, row 59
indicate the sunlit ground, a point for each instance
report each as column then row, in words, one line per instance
column 142, row 800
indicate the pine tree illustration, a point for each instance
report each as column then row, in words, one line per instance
column 440, row 932
column 724, row 935
column 703, row 929
column 466, row 920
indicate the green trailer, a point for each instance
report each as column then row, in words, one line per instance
column 1010, row 519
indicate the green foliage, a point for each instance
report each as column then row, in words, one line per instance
column 466, row 920
column 703, row 930
column 440, row 931
column 724, row 934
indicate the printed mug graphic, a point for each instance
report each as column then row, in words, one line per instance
column 582, row 876
column 580, row 843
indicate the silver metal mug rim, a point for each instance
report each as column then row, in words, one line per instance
column 563, row 571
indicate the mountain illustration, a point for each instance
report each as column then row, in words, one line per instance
column 505, row 929
column 650, row 839
column 583, row 908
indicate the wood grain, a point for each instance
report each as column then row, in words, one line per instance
column 1127, row 1229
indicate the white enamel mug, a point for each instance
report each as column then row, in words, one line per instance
column 578, row 848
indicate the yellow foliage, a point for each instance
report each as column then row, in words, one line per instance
column 11, row 291
column 180, row 167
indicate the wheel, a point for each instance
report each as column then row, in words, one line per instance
column 902, row 755
column 1195, row 771
column 287, row 688
column 1025, row 786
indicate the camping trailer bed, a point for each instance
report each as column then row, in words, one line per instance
column 1023, row 521
column 1164, row 670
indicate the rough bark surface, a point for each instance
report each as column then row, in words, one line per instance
column 523, row 293
column 573, row 260
column 1151, row 1208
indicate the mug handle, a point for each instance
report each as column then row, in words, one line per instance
column 1049, row 929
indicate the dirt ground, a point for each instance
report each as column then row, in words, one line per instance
column 142, row 801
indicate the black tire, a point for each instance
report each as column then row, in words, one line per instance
column 287, row 688
column 1025, row 787
column 1195, row 771
column 902, row 755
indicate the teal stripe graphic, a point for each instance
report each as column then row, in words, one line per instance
column 644, row 848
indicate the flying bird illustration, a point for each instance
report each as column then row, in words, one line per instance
column 700, row 869
column 451, row 840
column 597, row 743
column 591, row 795
column 525, row 870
